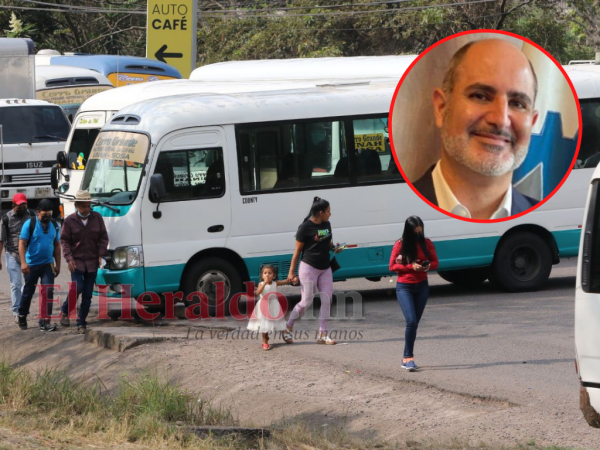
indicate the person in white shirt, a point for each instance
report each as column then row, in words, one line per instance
column 485, row 112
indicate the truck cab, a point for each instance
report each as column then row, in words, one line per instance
column 32, row 132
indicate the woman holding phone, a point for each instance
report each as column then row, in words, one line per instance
column 314, row 241
column 412, row 257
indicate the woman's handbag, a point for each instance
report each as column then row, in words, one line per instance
column 334, row 265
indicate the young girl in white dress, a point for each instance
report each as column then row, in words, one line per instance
column 275, row 320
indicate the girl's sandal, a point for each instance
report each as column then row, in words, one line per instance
column 287, row 337
column 326, row 340
column 266, row 347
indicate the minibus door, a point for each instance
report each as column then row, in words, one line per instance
column 195, row 214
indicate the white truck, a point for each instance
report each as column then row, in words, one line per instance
column 32, row 131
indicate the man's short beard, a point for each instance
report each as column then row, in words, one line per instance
column 457, row 149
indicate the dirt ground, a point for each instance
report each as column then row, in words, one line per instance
column 265, row 387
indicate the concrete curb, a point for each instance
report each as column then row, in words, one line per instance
column 246, row 432
column 122, row 339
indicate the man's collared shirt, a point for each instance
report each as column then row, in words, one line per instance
column 448, row 202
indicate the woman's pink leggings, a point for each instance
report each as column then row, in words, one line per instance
column 309, row 279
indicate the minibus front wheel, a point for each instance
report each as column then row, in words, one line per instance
column 214, row 278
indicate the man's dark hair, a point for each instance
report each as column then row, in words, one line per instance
column 45, row 205
column 457, row 58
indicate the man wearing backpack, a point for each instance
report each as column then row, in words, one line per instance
column 39, row 249
column 84, row 241
column 10, row 230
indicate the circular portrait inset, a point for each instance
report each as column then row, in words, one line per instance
column 484, row 126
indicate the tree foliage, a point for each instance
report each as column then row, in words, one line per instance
column 260, row 29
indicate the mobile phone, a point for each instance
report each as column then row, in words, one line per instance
column 426, row 263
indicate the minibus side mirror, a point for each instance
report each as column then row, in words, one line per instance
column 157, row 188
column 157, row 192
column 54, row 174
column 61, row 159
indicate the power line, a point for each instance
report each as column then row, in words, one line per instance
column 241, row 14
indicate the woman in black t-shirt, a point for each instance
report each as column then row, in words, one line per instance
column 314, row 241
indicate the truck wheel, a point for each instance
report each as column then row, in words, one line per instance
column 466, row 277
column 203, row 275
column 522, row 263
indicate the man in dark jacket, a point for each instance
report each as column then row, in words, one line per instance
column 84, row 241
column 10, row 230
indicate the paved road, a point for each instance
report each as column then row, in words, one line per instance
column 518, row 347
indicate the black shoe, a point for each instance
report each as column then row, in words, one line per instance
column 47, row 326
column 23, row 322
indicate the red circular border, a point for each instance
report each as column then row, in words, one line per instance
column 390, row 122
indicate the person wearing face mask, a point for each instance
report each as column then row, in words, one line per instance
column 39, row 249
column 84, row 241
column 10, row 230
column 412, row 257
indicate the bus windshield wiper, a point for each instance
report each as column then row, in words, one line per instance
column 107, row 204
column 49, row 136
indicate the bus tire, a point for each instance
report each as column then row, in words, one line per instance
column 201, row 278
column 522, row 263
column 466, row 277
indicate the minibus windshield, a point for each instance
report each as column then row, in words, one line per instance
column 115, row 165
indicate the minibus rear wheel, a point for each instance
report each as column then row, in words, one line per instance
column 523, row 262
column 203, row 276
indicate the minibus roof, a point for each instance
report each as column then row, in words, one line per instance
column 341, row 68
column 108, row 64
column 116, row 99
column 74, row 75
column 163, row 115
column 585, row 79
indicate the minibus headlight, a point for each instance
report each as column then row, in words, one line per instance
column 119, row 259
column 134, row 256
column 127, row 257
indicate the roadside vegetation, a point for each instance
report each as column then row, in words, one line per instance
column 150, row 410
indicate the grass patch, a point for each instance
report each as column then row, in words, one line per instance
column 148, row 409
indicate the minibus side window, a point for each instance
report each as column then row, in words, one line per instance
column 374, row 158
column 589, row 152
column 192, row 174
column 286, row 156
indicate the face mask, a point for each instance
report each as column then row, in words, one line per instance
column 45, row 219
column 21, row 212
column 82, row 216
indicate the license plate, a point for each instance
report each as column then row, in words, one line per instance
column 43, row 192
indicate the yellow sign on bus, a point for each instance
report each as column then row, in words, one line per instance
column 69, row 96
column 370, row 142
column 171, row 34
column 124, row 79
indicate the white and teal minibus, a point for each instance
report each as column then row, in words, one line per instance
column 239, row 173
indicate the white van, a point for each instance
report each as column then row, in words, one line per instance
column 587, row 307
